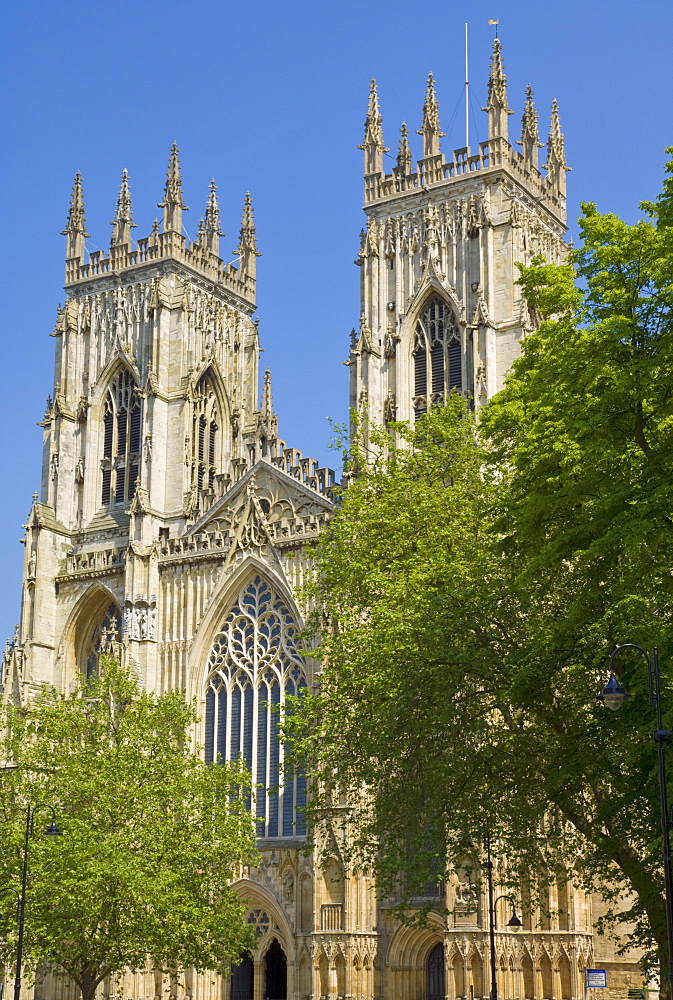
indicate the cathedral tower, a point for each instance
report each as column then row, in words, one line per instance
column 440, row 306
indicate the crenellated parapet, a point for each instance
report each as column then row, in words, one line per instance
column 436, row 167
column 166, row 243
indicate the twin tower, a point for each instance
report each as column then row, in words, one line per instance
column 174, row 527
column 440, row 306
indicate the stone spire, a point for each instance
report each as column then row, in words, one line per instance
column 430, row 129
column 75, row 228
column 530, row 138
column 173, row 204
column 123, row 223
column 497, row 106
column 212, row 222
column 404, row 152
column 247, row 243
column 372, row 144
column 556, row 157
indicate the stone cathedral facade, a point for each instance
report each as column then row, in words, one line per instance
column 174, row 527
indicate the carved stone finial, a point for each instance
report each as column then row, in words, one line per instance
column 556, row 157
column 212, row 231
column 75, row 228
column 372, row 144
column 267, row 400
column 173, row 204
column 530, row 139
column 497, row 107
column 430, row 129
column 123, row 223
column 404, row 152
column 247, row 243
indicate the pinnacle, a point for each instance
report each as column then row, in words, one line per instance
column 247, row 241
column 530, row 138
column 267, row 400
column 373, row 121
column 173, row 189
column 211, row 223
column 430, row 128
column 555, row 124
column 123, row 220
column 497, row 81
column 556, row 142
column 173, row 204
column 404, row 152
column 76, row 221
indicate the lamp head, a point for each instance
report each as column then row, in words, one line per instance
column 53, row 830
column 514, row 923
column 613, row 694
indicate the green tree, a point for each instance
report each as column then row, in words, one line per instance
column 470, row 594
column 151, row 836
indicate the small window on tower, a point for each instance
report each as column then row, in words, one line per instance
column 436, row 338
column 205, row 437
column 122, row 423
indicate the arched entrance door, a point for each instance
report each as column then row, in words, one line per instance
column 435, row 970
column 242, row 980
column 275, row 973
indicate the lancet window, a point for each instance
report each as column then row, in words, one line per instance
column 253, row 668
column 122, row 429
column 437, row 356
column 205, row 436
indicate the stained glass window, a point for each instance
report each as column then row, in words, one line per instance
column 253, row 668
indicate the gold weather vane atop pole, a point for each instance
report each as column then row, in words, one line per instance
column 496, row 23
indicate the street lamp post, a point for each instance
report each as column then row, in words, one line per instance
column 51, row 831
column 613, row 695
column 514, row 923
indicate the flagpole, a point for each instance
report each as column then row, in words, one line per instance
column 467, row 100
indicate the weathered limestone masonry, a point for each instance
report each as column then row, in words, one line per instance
column 174, row 528
column 449, row 234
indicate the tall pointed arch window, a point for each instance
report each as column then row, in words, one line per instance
column 252, row 669
column 437, row 356
column 100, row 640
column 205, row 436
column 122, row 429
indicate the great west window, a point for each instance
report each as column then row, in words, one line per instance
column 252, row 669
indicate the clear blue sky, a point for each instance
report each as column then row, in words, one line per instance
column 271, row 97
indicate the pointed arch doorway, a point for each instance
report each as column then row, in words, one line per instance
column 435, row 973
column 275, row 972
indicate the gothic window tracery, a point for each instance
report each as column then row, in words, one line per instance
column 122, row 425
column 253, row 668
column 437, row 356
column 205, row 436
column 105, row 632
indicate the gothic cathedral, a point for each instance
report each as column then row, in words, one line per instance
column 174, row 526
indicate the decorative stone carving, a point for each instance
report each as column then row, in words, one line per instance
column 140, row 621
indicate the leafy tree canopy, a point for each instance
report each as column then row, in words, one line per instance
column 151, row 836
column 473, row 581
